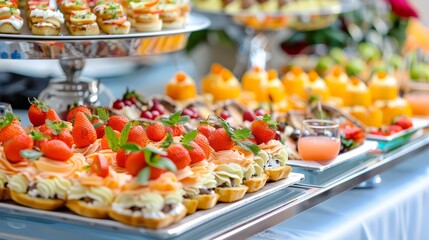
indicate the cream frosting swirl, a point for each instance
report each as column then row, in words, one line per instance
column 102, row 196
column 92, row 148
column 9, row 168
column 49, row 168
column 230, row 175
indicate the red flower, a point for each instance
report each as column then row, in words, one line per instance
column 402, row 8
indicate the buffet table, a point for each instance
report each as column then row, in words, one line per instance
column 355, row 214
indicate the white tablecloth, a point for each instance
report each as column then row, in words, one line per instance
column 397, row 209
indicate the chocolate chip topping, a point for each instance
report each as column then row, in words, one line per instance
column 206, row 191
column 167, row 208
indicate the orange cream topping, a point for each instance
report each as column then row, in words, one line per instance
column 111, row 158
column 232, row 156
column 93, row 148
column 113, row 181
column 272, row 147
column 48, row 168
column 9, row 168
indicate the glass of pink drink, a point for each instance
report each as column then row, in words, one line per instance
column 319, row 140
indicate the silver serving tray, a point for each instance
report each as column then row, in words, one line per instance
column 418, row 123
column 221, row 210
column 366, row 147
column 28, row 46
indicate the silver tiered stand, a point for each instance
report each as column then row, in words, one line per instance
column 71, row 51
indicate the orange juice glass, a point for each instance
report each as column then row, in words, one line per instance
column 319, row 140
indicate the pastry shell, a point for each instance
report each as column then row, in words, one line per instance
column 256, row 184
column 206, row 201
column 276, row 174
column 38, row 203
column 141, row 221
column 84, row 209
column 191, row 205
column 4, row 194
column 231, row 194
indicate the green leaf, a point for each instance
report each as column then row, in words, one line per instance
column 312, row 99
column 37, row 136
column 86, row 168
column 249, row 146
column 167, row 141
column 102, row 113
column 187, row 146
column 124, row 134
column 155, row 150
column 6, row 120
column 112, row 139
column 189, row 137
column 132, row 147
column 175, row 119
column 97, row 124
column 30, row 154
column 347, row 143
column 227, row 127
column 143, row 175
column 165, row 163
column 183, row 120
column 241, row 134
column 272, row 124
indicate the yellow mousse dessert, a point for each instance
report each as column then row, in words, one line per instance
column 383, row 87
column 181, row 87
column 255, row 81
column 317, row 87
column 337, row 81
column 295, row 82
column 212, row 77
column 227, row 88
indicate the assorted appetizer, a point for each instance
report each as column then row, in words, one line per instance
column 10, row 17
column 83, row 23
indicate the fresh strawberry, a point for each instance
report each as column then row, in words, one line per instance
column 38, row 138
column 52, row 115
column 13, row 147
column 220, row 140
column 156, row 132
column 136, row 162
column 100, row 166
column 99, row 121
column 204, row 144
column 264, row 129
column 138, row 136
column 403, row 122
column 394, row 129
column 206, row 129
column 353, row 133
column 105, row 141
column 177, row 130
column 175, row 122
column 196, row 154
column 57, row 150
column 83, row 132
column 179, row 155
column 57, row 130
column 117, row 122
column 121, row 157
column 37, row 112
column 75, row 109
column 10, row 126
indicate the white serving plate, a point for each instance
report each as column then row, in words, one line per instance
column 418, row 123
column 366, row 147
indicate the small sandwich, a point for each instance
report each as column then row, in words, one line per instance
column 274, row 156
column 111, row 18
column 68, row 6
column 93, row 192
column 10, row 18
column 153, row 198
column 157, row 205
column 45, row 183
column 200, row 188
column 172, row 16
column 145, row 16
column 82, row 23
column 46, row 22
column 229, row 179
